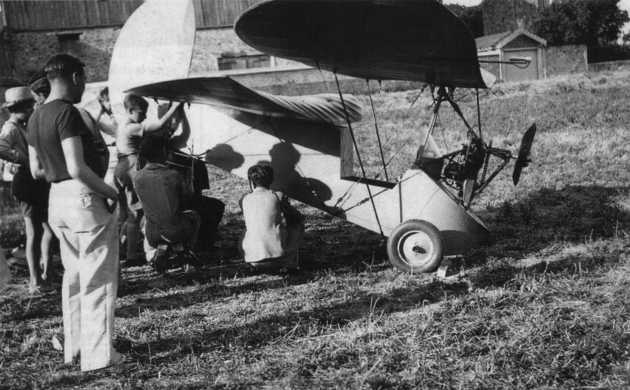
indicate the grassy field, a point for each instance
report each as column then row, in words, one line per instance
column 547, row 305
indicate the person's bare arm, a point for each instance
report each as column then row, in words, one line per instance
column 8, row 140
column 107, row 123
column 179, row 141
column 7, row 152
column 151, row 126
column 78, row 169
column 240, row 202
column 37, row 171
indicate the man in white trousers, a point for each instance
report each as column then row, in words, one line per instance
column 81, row 214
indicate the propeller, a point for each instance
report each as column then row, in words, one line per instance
column 523, row 158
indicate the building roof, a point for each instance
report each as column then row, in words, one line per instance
column 54, row 15
column 499, row 40
column 488, row 42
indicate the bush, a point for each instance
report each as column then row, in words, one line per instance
column 608, row 53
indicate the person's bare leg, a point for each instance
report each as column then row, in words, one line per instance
column 33, row 266
column 47, row 236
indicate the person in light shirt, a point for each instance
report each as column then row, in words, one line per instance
column 273, row 227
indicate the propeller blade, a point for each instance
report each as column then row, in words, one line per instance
column 523, row 159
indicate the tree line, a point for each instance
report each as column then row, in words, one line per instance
column 595, row 23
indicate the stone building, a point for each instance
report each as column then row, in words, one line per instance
column 507, row 26
column 34, row 31
column 496, row 49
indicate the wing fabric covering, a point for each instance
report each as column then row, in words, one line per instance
column 417, row 40
column 227, row 93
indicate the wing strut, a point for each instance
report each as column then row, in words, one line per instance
column 356, row 149
column 378, row 135
column 479, row 114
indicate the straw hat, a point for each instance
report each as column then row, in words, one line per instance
column 15, row 95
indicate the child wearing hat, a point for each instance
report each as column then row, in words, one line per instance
column 32, row 194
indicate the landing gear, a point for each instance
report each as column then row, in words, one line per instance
column 415, row 246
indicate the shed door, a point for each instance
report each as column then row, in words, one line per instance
column 518, row 73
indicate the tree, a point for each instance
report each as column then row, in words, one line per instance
column 591, row 22
column 471, row 16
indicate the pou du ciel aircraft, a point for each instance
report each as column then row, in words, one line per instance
column 309, row 140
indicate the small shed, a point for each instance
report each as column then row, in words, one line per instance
column 493, row 50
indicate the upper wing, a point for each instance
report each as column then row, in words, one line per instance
column 372, row 39
column 227, row 93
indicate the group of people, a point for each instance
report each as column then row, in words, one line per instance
column 62, row 160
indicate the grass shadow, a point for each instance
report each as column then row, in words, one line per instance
column 544, row 223
column 273, row 328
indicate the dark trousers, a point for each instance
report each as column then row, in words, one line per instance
column 211, row 211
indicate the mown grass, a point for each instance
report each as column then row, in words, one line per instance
column 544, row 306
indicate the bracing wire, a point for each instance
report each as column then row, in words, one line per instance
column 378, row 134
column 478, row 114
column 398, row 153
column 356, row 149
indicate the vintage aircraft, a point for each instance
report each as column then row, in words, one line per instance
column 310, row 141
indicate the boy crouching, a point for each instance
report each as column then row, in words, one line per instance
column 163, row 193
column 273, row 227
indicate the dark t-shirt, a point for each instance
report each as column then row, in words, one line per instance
column 161, row 191
column 52, row 123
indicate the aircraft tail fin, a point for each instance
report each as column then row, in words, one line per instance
column 155, row 44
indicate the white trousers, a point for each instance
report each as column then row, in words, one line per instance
column 87, row 234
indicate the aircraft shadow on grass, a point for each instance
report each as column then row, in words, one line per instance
column 572, row 215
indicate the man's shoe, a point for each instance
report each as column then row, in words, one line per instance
column 191, row 258
column 116, row 359
column 160, row 260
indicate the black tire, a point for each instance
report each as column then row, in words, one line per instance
column 426, row 246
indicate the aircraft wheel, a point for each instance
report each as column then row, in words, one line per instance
column 415, row 246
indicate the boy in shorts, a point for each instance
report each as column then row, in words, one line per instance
column 128, row 138
column 32, row 194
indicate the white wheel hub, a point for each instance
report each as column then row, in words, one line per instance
column 416, row 248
